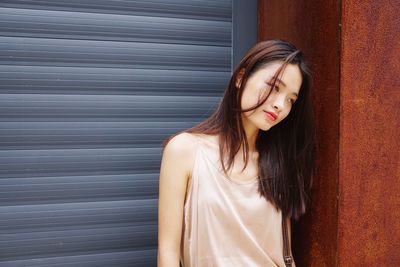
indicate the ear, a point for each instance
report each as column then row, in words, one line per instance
column 239, row 76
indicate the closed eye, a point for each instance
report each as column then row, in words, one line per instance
column 276, row 88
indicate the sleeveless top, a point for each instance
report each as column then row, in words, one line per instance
column 226, row 222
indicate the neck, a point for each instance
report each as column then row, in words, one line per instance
column 251, row 140
column 251, row 136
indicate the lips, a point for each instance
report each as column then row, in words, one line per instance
column 273, row 116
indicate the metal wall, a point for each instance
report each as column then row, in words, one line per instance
column 369, row 214
column 88, row 91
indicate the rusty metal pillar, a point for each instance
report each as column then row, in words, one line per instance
column 369, row 173
column 353, row 50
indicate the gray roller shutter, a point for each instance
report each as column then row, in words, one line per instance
column 88, row 91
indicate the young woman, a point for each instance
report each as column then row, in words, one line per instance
column 226, row 183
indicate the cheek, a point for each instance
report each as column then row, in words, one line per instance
column 251, row 96
column 249, row 99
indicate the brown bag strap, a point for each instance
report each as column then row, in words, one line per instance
column 287, row 258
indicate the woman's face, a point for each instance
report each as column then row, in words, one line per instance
column 279, row 102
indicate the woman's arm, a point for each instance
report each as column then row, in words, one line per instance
column 175, row 170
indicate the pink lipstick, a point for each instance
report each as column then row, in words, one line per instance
column 272, row 116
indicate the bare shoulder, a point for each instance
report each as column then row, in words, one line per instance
column 182, row 144
column 181, row 149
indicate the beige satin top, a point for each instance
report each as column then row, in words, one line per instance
column 226, row 222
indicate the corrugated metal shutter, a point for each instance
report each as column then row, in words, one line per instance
column 88, row 90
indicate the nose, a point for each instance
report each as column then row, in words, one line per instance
column 278, row 102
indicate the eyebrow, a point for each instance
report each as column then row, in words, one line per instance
column 280, row 81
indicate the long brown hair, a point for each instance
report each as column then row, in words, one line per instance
column 286, row 151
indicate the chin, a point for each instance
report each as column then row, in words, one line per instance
column 265, row 128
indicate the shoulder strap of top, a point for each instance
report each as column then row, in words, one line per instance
column 197, row 146
column 286, row 246
column 198, row 142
